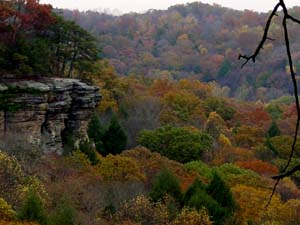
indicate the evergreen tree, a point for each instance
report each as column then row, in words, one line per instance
column 222, row 194
column 202, row 199
column 197, row 197
column 273, row 130
column 165, row 183
column 33, row 209
column 224, row 69
column 114, row 139
column 96, row 132
column 86, row 147
column 194, row 188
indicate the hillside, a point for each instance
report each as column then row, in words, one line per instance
column 199, row 41
column 149, row 133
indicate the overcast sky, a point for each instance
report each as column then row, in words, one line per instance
column 126, row 6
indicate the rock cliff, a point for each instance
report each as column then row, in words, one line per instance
column 45, row 111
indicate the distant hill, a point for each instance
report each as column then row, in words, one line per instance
column 199, row 41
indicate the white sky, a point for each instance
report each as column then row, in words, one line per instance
column 125, row 6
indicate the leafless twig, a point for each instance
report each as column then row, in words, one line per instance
column 286, row 172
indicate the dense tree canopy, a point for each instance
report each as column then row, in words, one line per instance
column 182, row 144
column 196, row 40
column 35, row 41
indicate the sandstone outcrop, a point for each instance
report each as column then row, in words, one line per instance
column 45, row 111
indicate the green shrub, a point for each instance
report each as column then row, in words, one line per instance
column 177, row 143
column 165, row 183
column 200, row 167
column 87, row 148
column 64, row 215
column 114, row 139
column 32, row 209
column 96, row 132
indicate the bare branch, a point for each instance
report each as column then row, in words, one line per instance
column 293, row 19
column 271, row 39
column 273, row 193
column 286, row 16
column 287, row 173
column 293, row 75
column 263, row 40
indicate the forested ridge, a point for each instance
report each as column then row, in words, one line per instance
column 172, row 141
column 199, row 41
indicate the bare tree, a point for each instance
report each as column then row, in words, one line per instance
column 286, row 17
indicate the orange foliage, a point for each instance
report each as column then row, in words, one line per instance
column 151, row 163
column 258, row 166
column 249, row 115
column 252, row 203
column 202, row 90
column 249, row 136
column 231, row 155
column 160, row 87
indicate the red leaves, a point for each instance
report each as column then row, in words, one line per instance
column 258, row 166
column 35, row 16
column 23, row 16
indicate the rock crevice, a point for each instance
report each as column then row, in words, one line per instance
column 43, row 110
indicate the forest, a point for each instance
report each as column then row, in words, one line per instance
column 182, row 134
column 196, row 41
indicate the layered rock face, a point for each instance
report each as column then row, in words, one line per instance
column 46, row 111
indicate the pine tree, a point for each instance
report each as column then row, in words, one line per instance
column 96, row 132
column 165, row 183
column 273, row 130
column 114, row 139
column 193, row 189
column 222, row 194
column 86, row 147
column 33, row 209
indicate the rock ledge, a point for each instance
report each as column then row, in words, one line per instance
column 44, row 111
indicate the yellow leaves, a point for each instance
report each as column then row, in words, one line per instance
column 192, row 217
column 183, row 37
column 224, row 141
column 196, row 87
column 142, row 211
column 287, row 213
column 119, row 168
column 12, row 178
column 6, row 212
column 180, row 107
column 203, row 51
column 252, row 202
column 34, row 183
column 107, row 101
column 79, row 159
column 215, row 125
column 272, row 223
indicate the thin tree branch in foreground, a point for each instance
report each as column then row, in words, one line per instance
column 263, row 40
column 286, row 172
